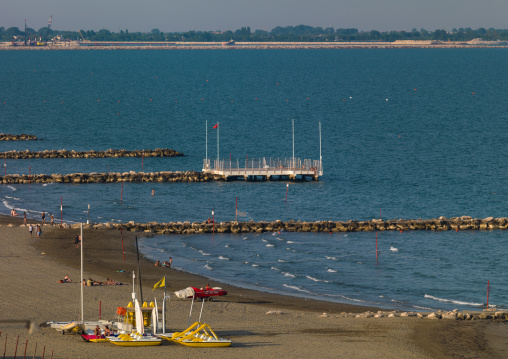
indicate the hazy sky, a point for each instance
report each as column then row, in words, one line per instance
column 184, row 15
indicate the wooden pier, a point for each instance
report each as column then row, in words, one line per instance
column 265, row 169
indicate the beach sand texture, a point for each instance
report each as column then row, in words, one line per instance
column 29, row 290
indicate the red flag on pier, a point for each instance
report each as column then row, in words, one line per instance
column 217, row 125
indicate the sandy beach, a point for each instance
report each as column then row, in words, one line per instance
column 30, row 290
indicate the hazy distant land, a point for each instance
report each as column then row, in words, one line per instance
column 110, row 45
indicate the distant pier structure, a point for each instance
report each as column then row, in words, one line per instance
column 265, row 168
column 288, row 168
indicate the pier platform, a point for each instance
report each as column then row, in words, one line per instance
column 265, row 169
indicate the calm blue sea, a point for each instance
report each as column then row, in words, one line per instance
column 407, row 133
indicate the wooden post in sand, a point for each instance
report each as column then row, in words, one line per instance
column 5, row 346
column 16, row 350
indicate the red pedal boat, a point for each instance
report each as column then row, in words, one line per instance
column 191, row 292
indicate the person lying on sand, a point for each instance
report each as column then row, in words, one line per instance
column 66, row 279
column 158, row 263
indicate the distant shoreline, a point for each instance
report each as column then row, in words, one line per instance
column 401, row 44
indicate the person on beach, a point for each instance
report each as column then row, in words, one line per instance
column 158, row 263
column 107, row 332
column 67, row 279
column 76, row 241
column 153, row 192
column 39, row 232
column 52, row 220
column 165, row 264
column 30, row 229
column 170, row 262
column 43, row 217
column 207, row 287
column 14, row 213
column 24, row 218
column 97, row 332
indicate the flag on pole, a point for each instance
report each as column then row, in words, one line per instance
column 160, row 284
column 217, row 125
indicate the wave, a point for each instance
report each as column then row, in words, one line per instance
column 226, row 246
column 333, row 258
column 460, row 302
column 264, row 240
column 282, row 261
column 275, row 268
column 203, row 253
column 223, row 258
column 290, row 242
column 297, row 288
column 287, row 274
column 393, row 249
column 208, row 267
column 331, row 271
column 317, row 280
column 270, row 245
column 12, row 188
column 255, row 265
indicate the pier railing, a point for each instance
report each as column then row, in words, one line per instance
column 267, row 167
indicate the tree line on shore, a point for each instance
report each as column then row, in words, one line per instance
column 300, row 33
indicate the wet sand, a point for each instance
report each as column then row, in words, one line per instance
column 30, row 290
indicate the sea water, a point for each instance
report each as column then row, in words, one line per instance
column 407, row 133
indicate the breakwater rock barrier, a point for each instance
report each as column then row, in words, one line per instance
column 22, row 137
column 158, row 152
column 440, row 224
column 111, row 177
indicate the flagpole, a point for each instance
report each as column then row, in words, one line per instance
column 293, row 143
column 218, row 129
column 82, row 306
column 206, row 141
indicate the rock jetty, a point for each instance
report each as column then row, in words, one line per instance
column 21, row 155
column 22, row 137
column 111, row 177
column 441, row 224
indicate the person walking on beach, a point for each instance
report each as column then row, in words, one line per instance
column 43, row 217
column 52, row 220
column 30, row 229
column 170, row 262
column 24, row 218
column 39, row 232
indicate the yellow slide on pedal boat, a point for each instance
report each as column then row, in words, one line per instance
column 200, row 335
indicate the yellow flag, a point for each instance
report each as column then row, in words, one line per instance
column 160, row 284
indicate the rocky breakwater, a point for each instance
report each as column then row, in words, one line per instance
column 22, row 137
column 158, row 152
column 498, row 316
column 77, row 178
column 441, row 224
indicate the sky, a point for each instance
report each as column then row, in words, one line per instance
column 211, row 15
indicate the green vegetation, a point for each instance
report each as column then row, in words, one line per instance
column 300, row 33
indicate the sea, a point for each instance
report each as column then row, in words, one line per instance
column 406, row 133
